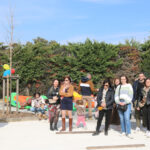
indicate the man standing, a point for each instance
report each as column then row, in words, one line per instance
column 86, row 88
column 137, row 88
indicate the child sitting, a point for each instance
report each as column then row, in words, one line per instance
column 80, row 113
column 38, row 105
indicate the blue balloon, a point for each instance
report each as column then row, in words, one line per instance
column 6, row 73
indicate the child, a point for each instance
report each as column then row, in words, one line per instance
column 80, row 113
column 38, row 105
column 42, row 112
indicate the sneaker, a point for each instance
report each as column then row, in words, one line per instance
column 123, row 134
column 130, row 136
column 144, row 129
column 90, row 118
column 137, row 129
column 148, row 134
column 85, row 128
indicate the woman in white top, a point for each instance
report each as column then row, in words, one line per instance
column 123, row 96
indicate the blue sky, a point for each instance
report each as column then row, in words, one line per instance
column 112, row 21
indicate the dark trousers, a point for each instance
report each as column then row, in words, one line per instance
column 146, row 113
column 107, row 114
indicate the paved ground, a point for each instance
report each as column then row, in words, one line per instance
column 35, row 135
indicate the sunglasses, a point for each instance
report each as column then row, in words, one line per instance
column 66, row 80
column 106, row 85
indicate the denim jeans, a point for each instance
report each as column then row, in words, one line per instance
column 35, row 109
column 125, row 120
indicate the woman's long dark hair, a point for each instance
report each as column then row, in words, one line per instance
column 54, row 81
column 127, row 80
column 107, row 81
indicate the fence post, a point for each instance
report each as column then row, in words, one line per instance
column 4, row 87
column 7, row 94
column 17, row 93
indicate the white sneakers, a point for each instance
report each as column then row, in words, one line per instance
column 130, row 136
column 137, row 129
column 144, row 129
column 148, row 134
column 123, row 134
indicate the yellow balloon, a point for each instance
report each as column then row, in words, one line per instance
column 6, row 67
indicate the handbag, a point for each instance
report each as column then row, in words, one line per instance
column 121, row 107
column 142, row 103
column 51, row 101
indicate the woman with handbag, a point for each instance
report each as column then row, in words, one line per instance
column 105, row 100
column 144, row 105
column 53, row 104
column 123, row 99
column 66, row 93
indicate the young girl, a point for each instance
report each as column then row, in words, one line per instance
column 38, row 105
column 80, row 113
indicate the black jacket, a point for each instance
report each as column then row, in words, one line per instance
column 109, row 97
column 147, row 99
column 137, row 89
column 53, row 92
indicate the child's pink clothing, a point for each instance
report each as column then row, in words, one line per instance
column 81, row 119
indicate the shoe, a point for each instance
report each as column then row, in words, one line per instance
column 123, row 134
column 144, row 129
column 95, row 133
column 137, row 129
column 40, row 116
column 63, row 125
column 90, row 118
column 106, row 133
column 130, row 136
column 85, row 127
column 70, row 124
column 148, row 134
column 55, row 127
column 44, row 117
column 51, row 127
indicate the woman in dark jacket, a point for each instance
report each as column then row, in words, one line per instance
column 144, row 104
column 54, row 104
column 105, row 100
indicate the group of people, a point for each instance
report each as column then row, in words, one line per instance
column 115, row 102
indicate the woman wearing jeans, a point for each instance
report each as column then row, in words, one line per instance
column 123, row 96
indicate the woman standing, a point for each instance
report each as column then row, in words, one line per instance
column 144, row 105
column 54, row 104
column 123, row 99
column 66, row 92
column 105, row 100
column 115, row 120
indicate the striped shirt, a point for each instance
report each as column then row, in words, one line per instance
column 126, row 93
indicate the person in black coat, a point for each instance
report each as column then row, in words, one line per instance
column 105, row 100
column 53, row 104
